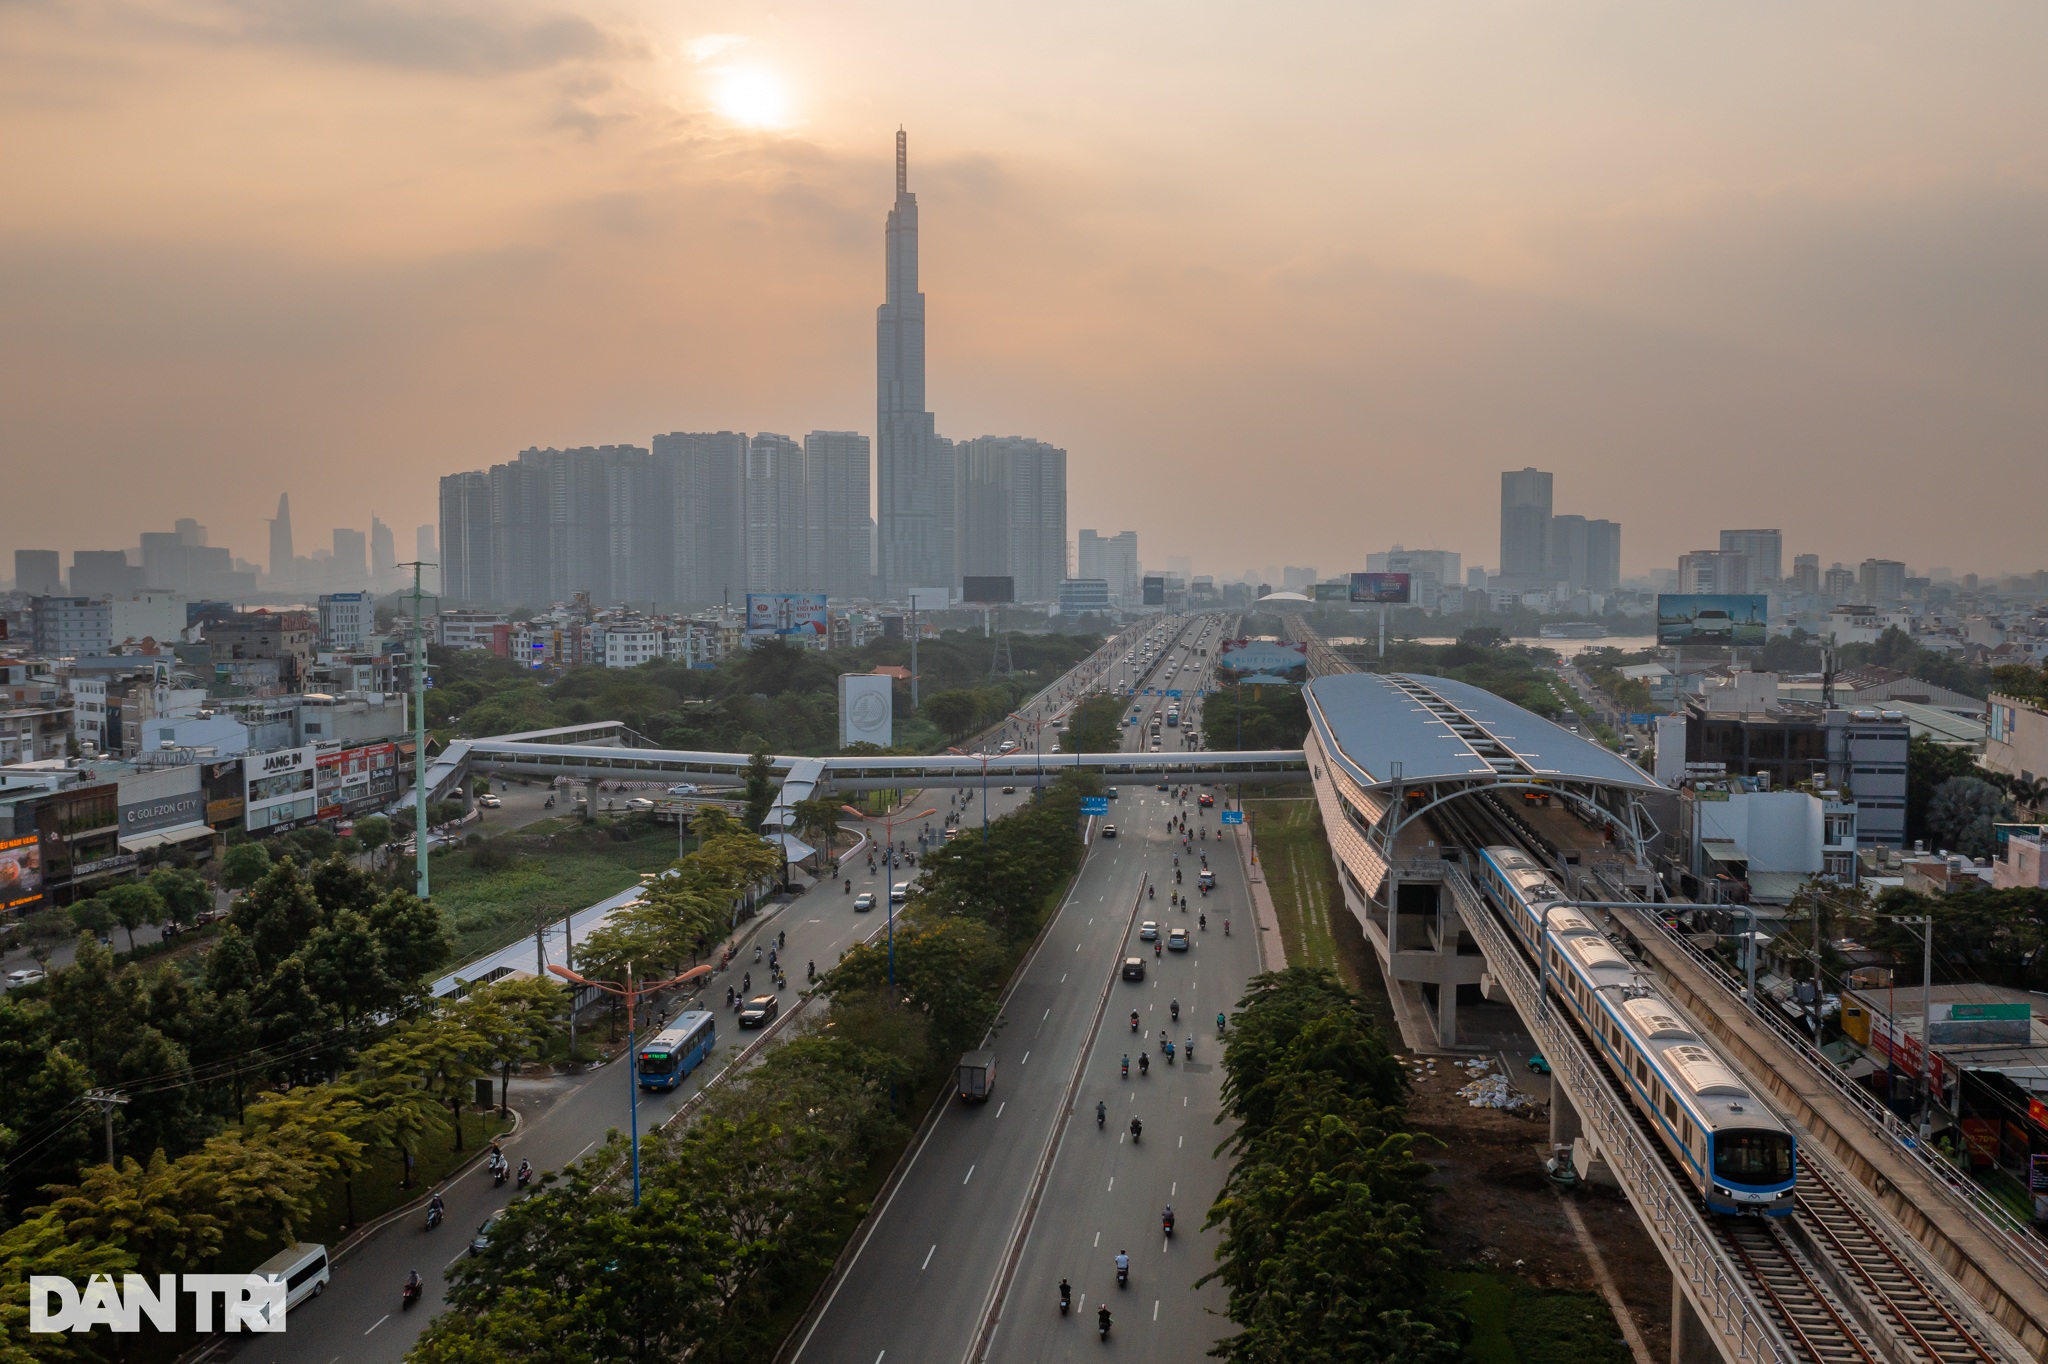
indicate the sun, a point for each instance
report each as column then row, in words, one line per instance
column 752, row 96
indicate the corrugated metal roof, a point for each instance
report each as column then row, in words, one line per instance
column 1440, row 729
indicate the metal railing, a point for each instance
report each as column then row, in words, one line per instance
column 1669, row 1210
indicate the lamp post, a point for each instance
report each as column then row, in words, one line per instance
column 631, row 992
column 889, row 822
column 984, row 757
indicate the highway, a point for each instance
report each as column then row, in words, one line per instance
column 357, row 1319
column 922, row 1280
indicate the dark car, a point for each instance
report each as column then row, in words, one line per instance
column 1205, row 800
column 1134, row 968
column 759, row 1010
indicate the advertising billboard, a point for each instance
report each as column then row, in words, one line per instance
column 1388, row 589
column 988, row 590
column 1331, row 591
column 867, row 709
column 21, row 872
column 1722, row 620
column 787, row 613
column 1155, row 591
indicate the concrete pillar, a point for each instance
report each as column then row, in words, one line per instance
column 1447, row 1014
column 1690, row 1342
column 590, row 799
column 1565, row 1124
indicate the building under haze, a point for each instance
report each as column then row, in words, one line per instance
column 1765, row 550
column 38, row 572
column 1114, row 559
column 1013, row 514
column 1546, row 551
column 1524, row 526
column 842, row 533
column 916, row 488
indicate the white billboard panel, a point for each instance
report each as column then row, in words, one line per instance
column 867, row 709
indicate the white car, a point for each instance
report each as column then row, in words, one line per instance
column 1149, row 931
column 899, row 892
column 682, row 788
column 28, row 975
column 489, row 801
column 640, row 803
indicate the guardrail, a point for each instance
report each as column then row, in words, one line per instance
column 1742, row 1327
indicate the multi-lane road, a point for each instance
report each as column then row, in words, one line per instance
column 965, row 1256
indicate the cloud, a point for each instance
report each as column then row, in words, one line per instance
column 446, row 36
column 714, row 45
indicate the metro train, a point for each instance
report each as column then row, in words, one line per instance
column 1733, row 1149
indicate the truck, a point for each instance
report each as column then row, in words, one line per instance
column 977, row 1076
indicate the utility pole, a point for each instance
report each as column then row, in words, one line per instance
column 419, row 729
column 913, row 648
column 108, row 1101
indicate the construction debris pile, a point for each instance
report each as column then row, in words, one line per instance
column 1489, row 1088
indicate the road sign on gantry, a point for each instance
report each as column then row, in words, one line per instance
column 1095, row 805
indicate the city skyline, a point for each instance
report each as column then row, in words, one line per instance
column 1608, row 284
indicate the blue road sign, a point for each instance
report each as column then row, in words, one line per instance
column 1174, row 693
column 1095, row 805
column 1233, row 816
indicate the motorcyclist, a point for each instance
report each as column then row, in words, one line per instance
column 810, row 970
column 1127, row 1063
column 1137, row 1129
column 1101, row 1113
column 1204, row 921
column 1190, row 1047
column 1123, row 1266
column 1151, row 892
column 1144, row 1063
column 525, row 1173
column 414, row 1283
column 1219, row 1025
column 1174, row 1009
column 1066, row 1293
column 1134, row 1020
column 1166, row 1218
column 1102, row 1321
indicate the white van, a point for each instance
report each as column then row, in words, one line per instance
column 303, row 1268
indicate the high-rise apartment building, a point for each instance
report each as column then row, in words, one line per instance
column 1524, row 525
column 1713, row 571
column 1565, row 556
column 1839, row 584
column 1013, row 520
column 1114, row 559
column 841, row 531
column 351, row 564
column 918, row 492
column 705, row 473
column 1603, row 556
column 465, row 549
column 383, row 555
column 38, row 572
column 1881, row 582
column 103, row 573
column 777, row 538
column 1806, row 573
column 1765, row 550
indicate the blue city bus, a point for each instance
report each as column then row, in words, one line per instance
column 676, row 1052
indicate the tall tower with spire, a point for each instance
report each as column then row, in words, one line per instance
column 282, row 569
column 916, row 490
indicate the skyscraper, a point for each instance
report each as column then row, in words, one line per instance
column 1524, row 525
column 916, row 506
column 1603, row 556
column 836, row 512
column 1766, row 551
column 466, row 538
column 776, row 539
column 704, row 474
column 1013, row 516
column 351, row 558
column 282, row 567
column 1565, row 555
column 38, row 572
column 383, row 555
column 1114, row 559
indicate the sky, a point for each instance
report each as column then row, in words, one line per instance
column 1291, row 282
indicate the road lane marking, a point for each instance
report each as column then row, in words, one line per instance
column 586, row 1146
column 1112, row 1185
column 970, row 1174
column 1120, row 1139
column 878, row 1358
column 1001, row 1106
column 1077, row 947
column 1155, row 1309
column 1180, row 1142
column 1027, row 1059
column 1047, row 1014
column 1063, row 981
column 928, row 1257
column 1098, row 1239
column 1174, row 1190
column 379, row 1322
column 458, row 1255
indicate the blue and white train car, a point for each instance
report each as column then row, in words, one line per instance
column 1737, row 1154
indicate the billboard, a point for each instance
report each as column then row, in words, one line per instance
column 21, row 872
column 1155, row 591
column 1331, row 591
column 988, row 589
column 1388, row 589
column 867, row 709
column 787, row 613
column 1722, row 620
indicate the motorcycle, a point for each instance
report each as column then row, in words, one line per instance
column 410, row 1294
column 433, row 1216
column 1144, row 1064
column 1151, row 893
column 525, row 1175
column 1174, row 1009
column 498, row 1173
column 1220, row 1025
column 1134, row 1020
column 1102, row 1322
column 1204, row 921
column 1101, row 1115
column 1226, row 928
column 849, row 885
column 1066, row 1296
column 1127, row 1065
column 1166, row 1221
column 1123, row 1271
column 1137, row 1131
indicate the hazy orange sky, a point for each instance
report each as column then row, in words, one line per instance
column 1289, row 281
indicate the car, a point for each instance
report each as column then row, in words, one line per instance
column 1177, row 941
column 1134, row 968
column 864, row 902
column 757, row 1012
column 1005, row 747
column 1205, row 800
column 1112, row 793
column 1109, row 831
column 1149, row 930
column 489, row 801
column 1539, row 1064
column 640, row 803
column 27, row 975
column 1162, row 786
column 1713, row 623
column 481, row 1242
column 1206, row 879
column 1009, row 790
column 682, row 788
column 899, row 892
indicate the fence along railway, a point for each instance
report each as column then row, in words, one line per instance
column 1838, row 1279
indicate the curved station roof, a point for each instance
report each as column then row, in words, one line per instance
column 1437, row 729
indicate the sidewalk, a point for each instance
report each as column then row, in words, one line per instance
column 1272, row 950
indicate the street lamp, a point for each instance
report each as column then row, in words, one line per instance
column 631, row 993
column 889, row 822
column 984, row 757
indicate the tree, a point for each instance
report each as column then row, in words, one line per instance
column 1928, row 765
column 185, row 894
column 278, row 913
column 133, row 904
column 92, row 915
column 45, row 929
column 244, row 865
column 417, row 941
column 760, row 790
column 347, row 968
column 951, row 712
column 517, row 1019
column 1961, row 814
column 373, row 832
